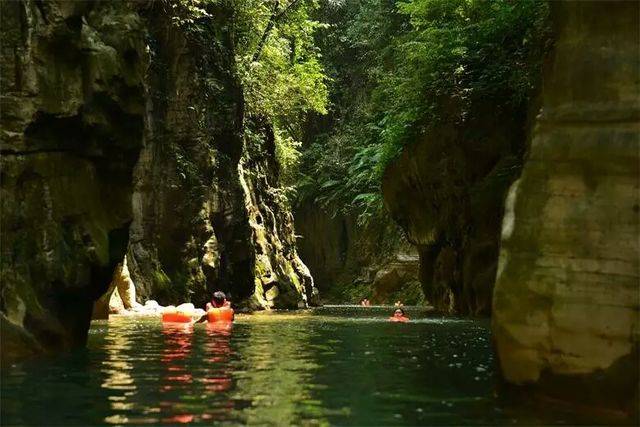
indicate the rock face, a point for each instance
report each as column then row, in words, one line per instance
column 567, row 295
column 123, row 132
column 120, row 296
column 281, row 279
column 72, row 126
column 186, row 181
column 444, row 191
column 207, row 215
column 350, row 262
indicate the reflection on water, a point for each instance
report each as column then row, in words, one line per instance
column 280, row 375
column 344, row 366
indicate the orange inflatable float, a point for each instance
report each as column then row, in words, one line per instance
column 181, row 314
column 222, row 314
column 176, row 317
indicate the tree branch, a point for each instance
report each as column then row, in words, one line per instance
column 273, row 19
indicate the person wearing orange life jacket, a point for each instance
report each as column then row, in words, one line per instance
column 218, row 309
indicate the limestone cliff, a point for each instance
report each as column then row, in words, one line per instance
column 123, row 132
column 187, row 203
column 206, row 211
column 281, row 279
column 567, row 297
column 446, row 192
column 350, row 261
column 73, row 97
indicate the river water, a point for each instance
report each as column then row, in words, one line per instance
column 333, row 365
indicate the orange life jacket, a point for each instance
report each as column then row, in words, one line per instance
column 398, row 319
column 222, row 314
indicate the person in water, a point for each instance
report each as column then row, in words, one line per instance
column 398, row 316
column 218, row 300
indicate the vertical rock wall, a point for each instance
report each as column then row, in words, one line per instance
column 72, row 124
column 447, row 192
column 187, row 203
column 281, row 279
column 207, row 215
column 567, row 297
column 122, row 132
column 350, row 261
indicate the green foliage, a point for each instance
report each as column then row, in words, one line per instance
column 281, row 72
column 400, row 68
column 186, row 13
column 459, row 53
column 277, row 60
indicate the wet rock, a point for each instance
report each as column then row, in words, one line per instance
column 566, row 300
column 69, row 140
column 349, row 261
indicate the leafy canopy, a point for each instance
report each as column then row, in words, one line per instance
column 400, row 68
column 281, row 71
column 278, row 63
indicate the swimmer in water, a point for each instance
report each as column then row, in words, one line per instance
column 218, row 300
column 398, row 316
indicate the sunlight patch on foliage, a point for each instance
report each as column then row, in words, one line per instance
column 279, row 65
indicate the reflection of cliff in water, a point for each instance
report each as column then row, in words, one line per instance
column 280, row 375
column 118, row 369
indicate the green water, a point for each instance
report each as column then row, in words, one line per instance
column 345, row 366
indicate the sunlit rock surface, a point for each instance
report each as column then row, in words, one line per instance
column 207, row 211
column 281, row 279
column 120, row 296
column 71, row 129
column 567, row 295
column 123, row 132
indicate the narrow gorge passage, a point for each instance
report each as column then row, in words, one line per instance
column 305, row 367
column 467, row 169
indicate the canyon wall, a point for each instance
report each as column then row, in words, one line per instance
column 206, row 215
column 349, row 261
column 567, row 297
column 447, row 191
column 73, row 107
column 123, row 132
